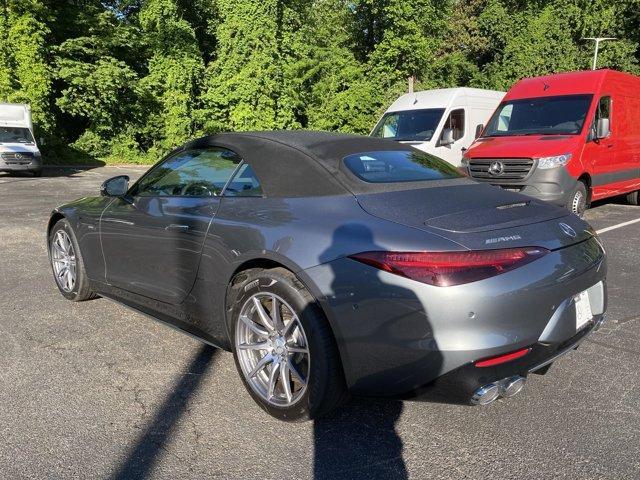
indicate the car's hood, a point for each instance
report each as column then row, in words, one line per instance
column 479, row 216
column 523, row 146
column 18, row 147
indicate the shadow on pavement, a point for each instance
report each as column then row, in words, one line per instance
column 68, row 171
column 359, row 441
column 147, row 449
column 50, row 171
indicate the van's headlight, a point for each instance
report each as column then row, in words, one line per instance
column 553, row 162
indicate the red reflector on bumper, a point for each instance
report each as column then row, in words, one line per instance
column 507, row 357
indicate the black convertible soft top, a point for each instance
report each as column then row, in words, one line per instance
column 302, row 163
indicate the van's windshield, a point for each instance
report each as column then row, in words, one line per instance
column 559, row 115
column 409, row 125
column 15, row 135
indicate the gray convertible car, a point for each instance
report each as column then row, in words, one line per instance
column 336, row 264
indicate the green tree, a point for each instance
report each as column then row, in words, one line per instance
column 175, row 75
column 25, row 74
column 131, row 79
column 336, row 92
column 100, row 84
column 249, row 84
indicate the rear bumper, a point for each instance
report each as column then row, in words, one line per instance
column 459, row 385
column 397, row 336
column 553, row 185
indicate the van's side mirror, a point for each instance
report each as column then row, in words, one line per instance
column 115, row 186
column 41, row 141
column 479, row 129
column 447, row 136
column 602, row 128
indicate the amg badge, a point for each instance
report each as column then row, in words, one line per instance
column 510, row 238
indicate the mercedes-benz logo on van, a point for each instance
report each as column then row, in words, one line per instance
column 568, row 230
column 496, row 168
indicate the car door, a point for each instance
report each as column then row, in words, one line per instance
column 598, row 154
column 152, row 238
column 452, row 152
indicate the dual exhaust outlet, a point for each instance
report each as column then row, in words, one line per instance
column 505, row 388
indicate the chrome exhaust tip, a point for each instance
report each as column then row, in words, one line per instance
column 486, row 394
column 512, row 386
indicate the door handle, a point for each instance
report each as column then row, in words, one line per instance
column 177, row 228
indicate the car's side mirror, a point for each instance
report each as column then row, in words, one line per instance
column 447, row 137
column 602, row 128
column 479, row 129
column 115, row 186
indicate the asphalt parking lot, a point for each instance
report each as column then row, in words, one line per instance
column 94, row 390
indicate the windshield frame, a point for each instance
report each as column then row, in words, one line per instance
column 386, row 115
column 504, row 103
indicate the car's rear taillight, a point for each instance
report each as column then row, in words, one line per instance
column 445, row 269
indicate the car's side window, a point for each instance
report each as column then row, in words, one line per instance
column 602, row 111
column 456, row 123
column 201, row 172
column 244, row 183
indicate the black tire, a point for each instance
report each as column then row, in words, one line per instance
column 578, row 200
column 81, row 290
column 37, row 173
column 634, row 198
column 326, row 389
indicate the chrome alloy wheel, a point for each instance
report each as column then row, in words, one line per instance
column 63, row 258
column 272, row 349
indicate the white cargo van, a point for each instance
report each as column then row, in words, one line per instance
column 442, row 122
column 18, row 149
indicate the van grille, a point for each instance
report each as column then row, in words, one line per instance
column 17, row 156
column 511, row 168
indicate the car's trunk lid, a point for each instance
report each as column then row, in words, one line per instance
column 479, row 216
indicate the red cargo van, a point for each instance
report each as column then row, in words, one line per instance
column 568, row 139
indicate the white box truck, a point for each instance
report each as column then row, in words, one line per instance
column 442, row 122
column 18, row 149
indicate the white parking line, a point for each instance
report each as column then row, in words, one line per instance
column 620, row 225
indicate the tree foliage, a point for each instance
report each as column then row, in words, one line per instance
column 128, row 80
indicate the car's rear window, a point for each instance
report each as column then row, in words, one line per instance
column 399, row 166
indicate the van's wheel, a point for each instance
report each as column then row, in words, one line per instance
column 67, row 263
column 578, row 201
column 283, row 348
column 634, row 198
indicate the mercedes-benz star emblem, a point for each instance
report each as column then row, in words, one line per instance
column 496, row 168
column 568, row 230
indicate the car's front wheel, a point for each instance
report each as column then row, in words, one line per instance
column 283, row 347
column 67, row 263
column 578, row 201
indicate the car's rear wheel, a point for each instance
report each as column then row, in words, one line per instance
column 67, row 263
column 283, row 347
column 578, row 201
column 634, row 198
